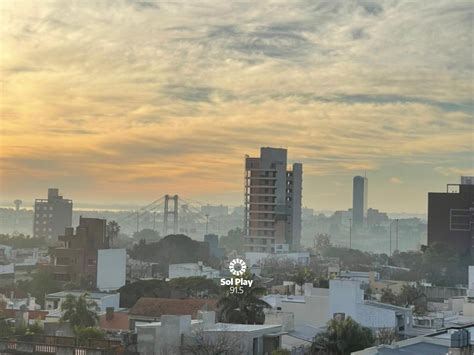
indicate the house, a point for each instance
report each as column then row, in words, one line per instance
column 255, row 258
column 192, row 269
column 345, row 297
column 103, row 300
column 177, row 333
column 113, row 321
column 148, row 310
column 452, row 341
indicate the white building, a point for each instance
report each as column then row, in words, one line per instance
column 255, row 258
column 347, row 297
column 102, row 300
column 450, row 341
column 344, row 297
column 192, row 269
column 111, row 269
column 175, row 332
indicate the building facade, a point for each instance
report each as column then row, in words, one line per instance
column 76, row 259
column 52, row 215
column 273, row 196
column 451, row 217
column 359, row 200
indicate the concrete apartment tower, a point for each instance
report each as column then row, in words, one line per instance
column 451, row 216
column 76, row 259
column 52, row 215
column 359, row 200
column 272, row 218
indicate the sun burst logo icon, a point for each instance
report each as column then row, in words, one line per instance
column 237, row 267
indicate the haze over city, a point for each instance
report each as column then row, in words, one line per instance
column 122, row 102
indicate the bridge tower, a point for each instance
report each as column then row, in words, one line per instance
column 170, row 211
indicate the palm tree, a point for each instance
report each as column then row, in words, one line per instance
column 113, row 230
column 79, row 311
column 343, row 337
column 245, row 308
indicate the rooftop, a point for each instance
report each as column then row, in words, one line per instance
column 156, row 307
column 386, row 306
column 92, row 295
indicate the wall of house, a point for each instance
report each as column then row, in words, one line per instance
column 375, row 317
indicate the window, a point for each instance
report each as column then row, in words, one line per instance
column 91, row 262
column 460, row 220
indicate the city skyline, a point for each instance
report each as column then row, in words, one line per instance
column 121, row 102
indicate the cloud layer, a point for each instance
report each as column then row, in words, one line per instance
column 123, row 100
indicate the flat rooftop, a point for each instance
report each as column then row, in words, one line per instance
column 92, row 295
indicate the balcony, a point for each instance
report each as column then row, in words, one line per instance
column 43, row 344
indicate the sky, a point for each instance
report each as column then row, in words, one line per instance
column 118, row 102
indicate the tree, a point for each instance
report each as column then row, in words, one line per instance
column 386, row 336
column 79, row 311
column 323, row 241
column 412, row 295
column 131, row 293
column 278, row 268
column 84, row 335
column 172, row 249
column 388, row 297
column 245, row 308
column 6, row 329
column 41, row 284
column 148, row 235
column 194, row 286
column 234, row 240
column 302, row 276
column 343, row 337
column 113, row 230
column 201, row 342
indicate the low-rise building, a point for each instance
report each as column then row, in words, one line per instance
column 344, row 298
column 101, row 299
column 76, row 259
column 255, row 258
column 178, row 334
column 452, row 341
column 148, row 310
column 192, row 269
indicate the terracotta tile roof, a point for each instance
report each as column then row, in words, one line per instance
column 118, row 322
column 156, row 307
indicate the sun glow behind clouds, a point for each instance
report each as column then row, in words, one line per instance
column 115, row 99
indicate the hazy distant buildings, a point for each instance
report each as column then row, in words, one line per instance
column 359, row 200
column 76, row 260
column 376, row 218
column 52, row 215
column 451, row 216
column 273, row 195
column 215, row 210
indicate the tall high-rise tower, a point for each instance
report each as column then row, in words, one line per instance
column 272, row 202
column 359, row 200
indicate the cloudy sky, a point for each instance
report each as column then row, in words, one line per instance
column 124, row 101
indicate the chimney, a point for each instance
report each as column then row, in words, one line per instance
column 109, row 313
